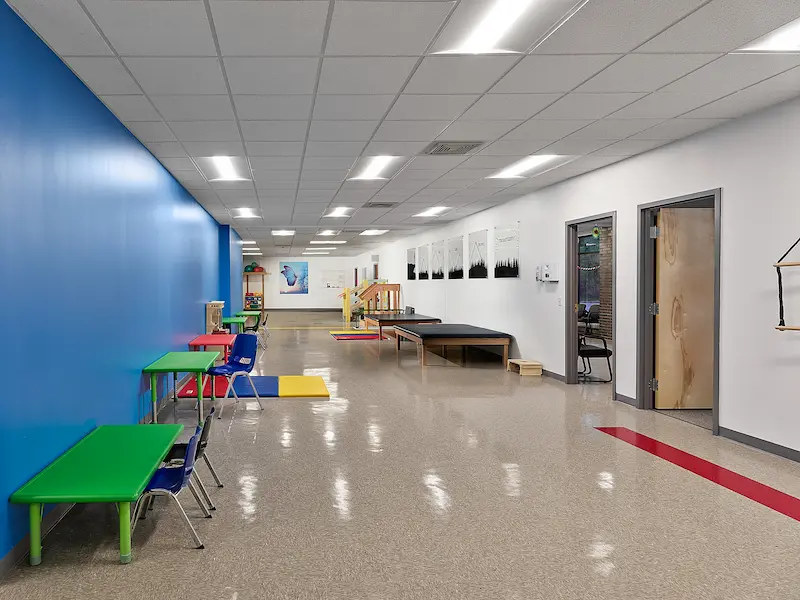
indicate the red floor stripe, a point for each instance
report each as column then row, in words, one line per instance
column 749, row 488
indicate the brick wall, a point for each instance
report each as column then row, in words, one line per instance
column 606, row 281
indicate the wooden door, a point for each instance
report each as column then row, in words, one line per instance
column 684, row 352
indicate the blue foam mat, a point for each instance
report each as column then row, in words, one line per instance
column 266, row 385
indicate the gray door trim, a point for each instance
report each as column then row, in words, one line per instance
column 645, row 334
column 571, row 296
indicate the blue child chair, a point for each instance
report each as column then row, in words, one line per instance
column 241, row 361
column 170, row 481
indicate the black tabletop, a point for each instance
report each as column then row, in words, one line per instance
column 451, row 330
column 400, row 318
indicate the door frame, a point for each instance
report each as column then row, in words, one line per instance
column 645, row 325
column 571, row 297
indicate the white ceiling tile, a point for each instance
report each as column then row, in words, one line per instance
column 328, row 162
column 413, row 107
column 206, row 131
column 206, row 196
column 180, row 75
column 275, row 148
column 630, row 147
column 570, row 146
column 344, row 131
column 243, row 197
column 364, row 75
column 311, row 208
column 131, row 108
column 645, row 72
column 178, row 164
column 490, row 162
column 274, row 131
column 324, row 175
column 348, row 149
column 546, row 129
column 548, row 74
column 733, row 72
column 613, row 129
column 151, row 131
column 723, row 25
column 458, row 74
column 232, row 185
column 661, row 105
column 587, row 106
column 104, row 75
column 406, row 131
column 284, row 187
column 262, row 177
column 395, row 148
column 748, row 100
column 318, row 187
column 276, row 108
column 270, row 28
column 477, row 130
column 154, row 28
column 677, row 128
column 615, row 25
column 214, row 148
column 194, row 108
column 350, row 107
column 166, row 149
column 440, row 163
column 275, row 163
column 384, row 28
column 507, row 147
column 508, row 106
column 271, row 75
column 64, row 25
column 191, row 178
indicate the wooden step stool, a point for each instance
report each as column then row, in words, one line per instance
column 525, row 368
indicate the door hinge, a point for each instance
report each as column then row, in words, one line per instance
column 653, row 309
column 654, row 385
column 654, row 232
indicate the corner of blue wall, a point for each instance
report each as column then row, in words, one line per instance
column 230, row 270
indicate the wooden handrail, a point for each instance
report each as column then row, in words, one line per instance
column 787, row 264
column 788, row 327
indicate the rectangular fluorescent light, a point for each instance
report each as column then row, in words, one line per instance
column 374, row 232
column 252, row 254
column 225, row 169
column 328, row 232
column 339, row 211
column 517, row 170
column 495, row 24
column 328, row 242
column 247, row 242
column 283, row 232
column 312, row 253
column 783, row 39
column 374, row 168
column 251, row 249
column 245, row 213
column 319, row 248
column 434, row 211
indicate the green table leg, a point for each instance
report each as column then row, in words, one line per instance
column 35, row 513
column 200, row 398
column 124, row 532
column 154, row 396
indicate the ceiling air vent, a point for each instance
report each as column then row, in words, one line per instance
column 379, row 205
column 451, row 148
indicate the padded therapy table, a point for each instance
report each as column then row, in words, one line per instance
column 451, row 334
column 381, row 320
column 113, row 463
column 180, row 362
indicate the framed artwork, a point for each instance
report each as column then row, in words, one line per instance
column 294, row 277
column 455, row 258
column 411, row 263
column 437, row 260
column 423, row 268
column 477, row 255
column 506, row 251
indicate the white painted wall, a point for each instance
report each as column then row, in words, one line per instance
column 756, row 162
column 318, row 296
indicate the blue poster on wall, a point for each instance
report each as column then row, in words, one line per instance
column 294, row 277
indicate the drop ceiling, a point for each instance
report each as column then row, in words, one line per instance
column 299, row 90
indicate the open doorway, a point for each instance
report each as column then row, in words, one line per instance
column 590, row 279
column 678, row 308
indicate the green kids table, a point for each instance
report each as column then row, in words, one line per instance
column 181, row 362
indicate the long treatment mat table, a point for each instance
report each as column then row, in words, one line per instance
column 451, row 334
column 381, row 320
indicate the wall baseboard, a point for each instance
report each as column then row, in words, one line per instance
column 749, row 440
column 627, row 400
column 23, row 547
column 336, row 309
column 553, row 375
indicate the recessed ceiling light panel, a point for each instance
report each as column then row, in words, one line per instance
column 783, row 39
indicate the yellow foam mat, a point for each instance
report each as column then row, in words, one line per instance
column 302, row 386
column 354, row 332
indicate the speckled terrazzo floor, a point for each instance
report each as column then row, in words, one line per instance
column 442, row 483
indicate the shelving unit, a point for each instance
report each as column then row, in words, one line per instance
column 254, row 300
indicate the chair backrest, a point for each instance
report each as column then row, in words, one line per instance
column 581, row 310
column 203, row 442
column 594, row 312
column 264, row 317
column 243, row 353
column 188, row 458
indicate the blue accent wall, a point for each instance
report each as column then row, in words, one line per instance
column 105, row 264
column 230, row 270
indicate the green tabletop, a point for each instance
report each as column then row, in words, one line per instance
column 248, row 313
column 183, row 362
column 234, row 320
column 113, row 463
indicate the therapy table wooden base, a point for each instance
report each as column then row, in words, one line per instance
column 113, row 463
column 448, row 334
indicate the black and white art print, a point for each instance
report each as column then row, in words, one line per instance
column 423, row 271
column 411, row 263
column 455, row 258
column 506, row 251
column 478, row 267
column 437, row 260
